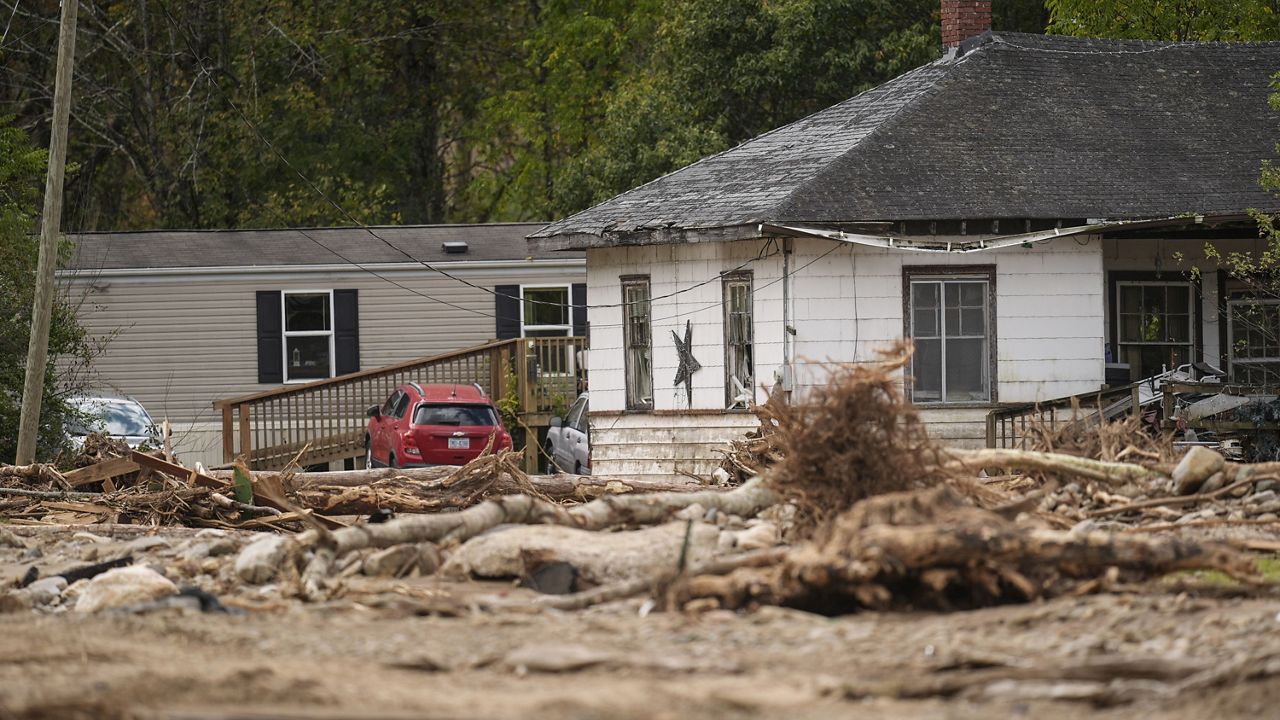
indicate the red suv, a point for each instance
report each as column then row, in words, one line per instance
column 421, row 425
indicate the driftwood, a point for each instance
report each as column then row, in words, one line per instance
column 1116, row 472
column 599, row 514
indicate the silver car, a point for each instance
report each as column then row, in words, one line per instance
column 569, row 440
column 119, row 417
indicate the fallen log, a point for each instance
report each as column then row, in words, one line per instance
column 1013, row 459
column 599, row 514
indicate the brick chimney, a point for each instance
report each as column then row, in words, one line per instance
column 963, row 19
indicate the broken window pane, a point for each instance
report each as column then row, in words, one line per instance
column 636, row 330
column 738, row 338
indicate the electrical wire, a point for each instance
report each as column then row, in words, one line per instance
column 368, row 229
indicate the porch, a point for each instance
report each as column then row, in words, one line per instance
column 324, row 421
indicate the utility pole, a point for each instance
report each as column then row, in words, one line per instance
column 38, row 348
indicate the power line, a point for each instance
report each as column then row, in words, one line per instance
column 365, row 227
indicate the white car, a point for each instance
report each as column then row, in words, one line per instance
column 569, row 440
column 119, row 417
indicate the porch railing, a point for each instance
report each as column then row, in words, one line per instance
column 328, row 417
column 1007, row 426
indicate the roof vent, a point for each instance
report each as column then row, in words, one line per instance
column 454, row 248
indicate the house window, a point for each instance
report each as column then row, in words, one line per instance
column 949, row 320
column 546, row 311
column 738, row 341
column 1254, row 340
column 308, row 335
column 1154, row 325
column 636, row 331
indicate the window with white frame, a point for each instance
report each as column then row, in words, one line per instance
column 308, row 334
column 949, row 320
column 545, row 311
column 1154, row 325
column 637, row 329
column 739, row 343
column 1253, row 335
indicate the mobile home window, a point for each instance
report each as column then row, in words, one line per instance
column 546, row 311
column 1254, row 340
column 637, row 343
column 738, row 342
column 1154, row 320
column 308, row 335
column 950, row 324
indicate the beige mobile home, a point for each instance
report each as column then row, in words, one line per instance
column 194, row 316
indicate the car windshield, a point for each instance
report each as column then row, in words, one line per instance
column 450, row 414
column 113, row 417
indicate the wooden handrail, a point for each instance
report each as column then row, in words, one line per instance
column 342, row 379
column 327, row 417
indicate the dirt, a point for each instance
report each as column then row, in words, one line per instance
column 372, row 653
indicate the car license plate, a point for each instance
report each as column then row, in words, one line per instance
column 459, row 443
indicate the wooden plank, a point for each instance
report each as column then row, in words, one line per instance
column 112, row 467
column 177, row 472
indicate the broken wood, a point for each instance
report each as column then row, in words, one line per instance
column 1114, row 472
column 98, row 472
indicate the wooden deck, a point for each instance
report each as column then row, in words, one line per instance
column 327, row 417
column 1007, row 426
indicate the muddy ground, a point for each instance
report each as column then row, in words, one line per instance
column 420, row 647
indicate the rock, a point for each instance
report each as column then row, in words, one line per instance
column 429, row 559
column 217, row 548
column 1262, row 497
column 124, row 586
column 82, row 535
column 1215, row 482
column 32, row 553
column 1195, row 467
column 260, row 560
column 146, row 543
column 756, row 537
column 691, row 512
column 1264, row 485
column 600, row 557
column 1235, row 515
column 16, row 601
column 727, row 541
column 46, row 591
column 8, row 539
column 391, row 562
column 1084, row 527
column 554, row 657
column 1268, row 517
column 557, row 578
column 1241, row 491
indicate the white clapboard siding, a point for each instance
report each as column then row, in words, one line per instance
column 846, row 303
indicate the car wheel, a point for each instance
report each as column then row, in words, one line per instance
column 548, row 455
column 368, row 453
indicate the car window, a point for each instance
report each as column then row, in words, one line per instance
column 401, row 406
column 580, row 423
column 390, row 404
column 114, row 417
column 451, row 414
column 575, row 413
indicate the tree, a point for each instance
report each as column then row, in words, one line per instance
column 1176, row 20
column 70, row 351
column 722, row 71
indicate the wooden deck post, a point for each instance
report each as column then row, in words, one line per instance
column 246, row 443
column 228, row 439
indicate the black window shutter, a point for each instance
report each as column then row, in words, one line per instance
column 346, row 331
column 270, row 335
column 506, row 306
column 579, row 300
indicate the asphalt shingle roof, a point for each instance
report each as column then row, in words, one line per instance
column 286, row 247
column 1016, row 126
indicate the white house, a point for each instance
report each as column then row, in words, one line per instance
column 1016, row 208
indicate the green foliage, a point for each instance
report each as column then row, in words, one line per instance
column 1179, row 20
column 433, row 110
column 21, row 178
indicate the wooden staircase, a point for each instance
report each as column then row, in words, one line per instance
column 327, row 417
column 1007, row 426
